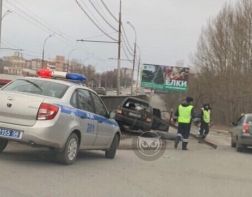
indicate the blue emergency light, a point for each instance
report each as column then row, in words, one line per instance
column 76, row 77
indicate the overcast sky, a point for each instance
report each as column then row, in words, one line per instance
column 167, row 30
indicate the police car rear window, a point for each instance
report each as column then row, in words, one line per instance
column 40, row 87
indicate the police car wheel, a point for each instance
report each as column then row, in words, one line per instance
column 111, row 152
column 69, row 154
column 239, row 147
column 233, row 144
column 3, row 144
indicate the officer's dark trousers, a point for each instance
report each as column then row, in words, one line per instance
column 183, row 133
column 204, row 129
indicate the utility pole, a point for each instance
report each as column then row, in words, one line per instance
column 132, row 74
column 134, row 59
column 138, row 70
column 1, row 13
column 119, row 51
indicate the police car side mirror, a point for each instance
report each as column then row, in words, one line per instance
column 112, row 115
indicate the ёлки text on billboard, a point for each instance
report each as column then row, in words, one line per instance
column 165, row 78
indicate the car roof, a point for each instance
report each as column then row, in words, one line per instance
column 63, row 82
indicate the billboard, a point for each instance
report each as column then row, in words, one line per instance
column 165, row 78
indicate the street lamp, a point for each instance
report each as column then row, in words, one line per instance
column 12, row 49
column 70, row 53
column 134, row 58
column 43, row 51
column 68, row 58
column 6, row 13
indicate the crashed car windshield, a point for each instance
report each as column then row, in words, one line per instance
column 136, row 105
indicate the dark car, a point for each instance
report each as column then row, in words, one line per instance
column 4, row 82
column 241, row 133
column 134, row 113
column 101, row 91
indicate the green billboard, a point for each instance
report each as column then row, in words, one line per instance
column 165, row 78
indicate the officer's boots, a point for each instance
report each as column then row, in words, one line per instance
column 184, row 146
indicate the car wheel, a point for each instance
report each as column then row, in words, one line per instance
column 3, row 144
column 233, row 144
column 239, row 146
column 69, row 154
column 111, row 152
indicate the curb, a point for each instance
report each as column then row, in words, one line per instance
column 207, row 142
column 132, row 146
column 213, row 145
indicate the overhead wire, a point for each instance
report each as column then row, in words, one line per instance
column 93, row 21
column 9, row 44
column 109, row 11
column 101, row 15
column 127, row 48
column 127, row 40
column 24, row 7
column 35, row 20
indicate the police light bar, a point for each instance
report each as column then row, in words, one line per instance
column 74, row 77
column 44, row 73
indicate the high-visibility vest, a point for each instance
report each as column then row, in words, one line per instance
column 185, row 114
column 206, row 116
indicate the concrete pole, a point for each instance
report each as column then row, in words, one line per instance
column 1, row 15
column 119, row 51
column 132, row 74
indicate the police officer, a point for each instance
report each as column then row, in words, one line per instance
column 205, row 120
column 184, row 116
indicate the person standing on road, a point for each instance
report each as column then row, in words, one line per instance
column 205, row 120
column 184, row 116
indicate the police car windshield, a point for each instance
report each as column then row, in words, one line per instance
column 41, row 87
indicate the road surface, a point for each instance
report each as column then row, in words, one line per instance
column 201, row 171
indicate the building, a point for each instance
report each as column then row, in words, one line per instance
column 60, row 63
column 14, row 64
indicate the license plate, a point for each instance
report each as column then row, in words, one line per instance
column 135, row 115
column 11, row 133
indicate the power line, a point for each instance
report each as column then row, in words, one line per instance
column 7, row 43
column 24, row 7
column 109, row 11
column 129, row 51
column 125, row 53
column 21, row 12
column 127, row 40
column 93, row 21
column 100, row 14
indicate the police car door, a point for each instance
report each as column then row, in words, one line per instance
column 104, row 125
column 86, row 117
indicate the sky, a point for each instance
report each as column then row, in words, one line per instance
column 167, row 30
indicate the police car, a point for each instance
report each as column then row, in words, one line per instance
column 62, row 115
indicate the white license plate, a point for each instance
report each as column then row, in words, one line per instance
column 11, row 133
column 134, row 115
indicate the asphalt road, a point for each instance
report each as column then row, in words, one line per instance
column 201, row 171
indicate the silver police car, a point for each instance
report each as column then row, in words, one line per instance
column 61, row 115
